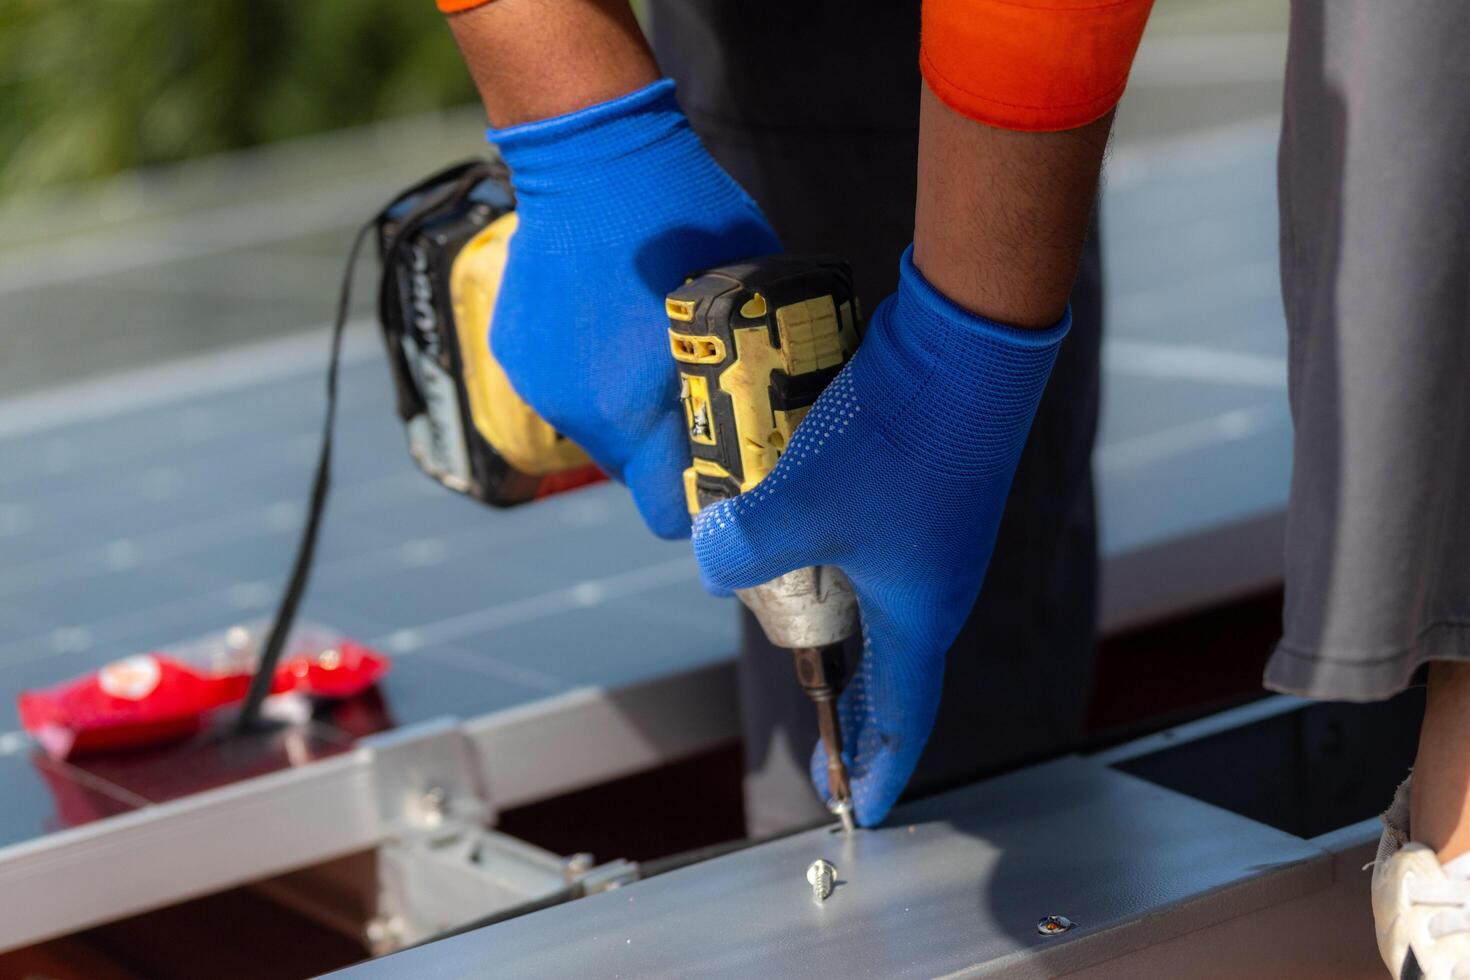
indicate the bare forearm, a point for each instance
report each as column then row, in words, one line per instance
column 533, row 59
column 1001, row 215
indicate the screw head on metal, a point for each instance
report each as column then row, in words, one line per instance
column 1054, row 925
column 822, row 876
column 432, row 806
column 384, row 934
column 578, row 865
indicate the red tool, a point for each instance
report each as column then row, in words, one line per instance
column 167, row 695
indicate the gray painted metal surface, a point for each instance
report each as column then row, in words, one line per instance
column 954, row 885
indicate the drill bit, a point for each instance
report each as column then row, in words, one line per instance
column 838, row 788
column 821, row 670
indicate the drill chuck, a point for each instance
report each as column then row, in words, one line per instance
column 810, row 607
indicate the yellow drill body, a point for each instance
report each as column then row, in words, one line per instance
column 756, row 343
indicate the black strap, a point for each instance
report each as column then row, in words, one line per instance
column 447, row 187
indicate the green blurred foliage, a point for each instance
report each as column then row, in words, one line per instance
column 90, row 87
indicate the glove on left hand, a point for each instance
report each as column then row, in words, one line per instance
column 898, row 476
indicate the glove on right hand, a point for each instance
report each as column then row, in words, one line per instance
column 898, row 476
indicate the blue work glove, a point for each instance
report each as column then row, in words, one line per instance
column 617, row 205
column 898, row 476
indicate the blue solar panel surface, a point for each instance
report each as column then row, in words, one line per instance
column 142, row 528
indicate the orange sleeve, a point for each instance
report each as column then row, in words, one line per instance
column 455, row 6
column 1032, row 65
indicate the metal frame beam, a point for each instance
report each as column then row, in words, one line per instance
column 268, row 825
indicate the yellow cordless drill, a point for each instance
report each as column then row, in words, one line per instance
column 756, row 342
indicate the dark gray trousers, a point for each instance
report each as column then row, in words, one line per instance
column 813, row 106
column 1375, row 262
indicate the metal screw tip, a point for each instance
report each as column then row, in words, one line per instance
column 842, row 809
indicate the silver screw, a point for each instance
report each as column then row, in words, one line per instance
column 1054, row 925
column 578, row 865
column 384, row 934
column 822, row 876
column 432, row 806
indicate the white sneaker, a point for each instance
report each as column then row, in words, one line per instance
column 1421, row 910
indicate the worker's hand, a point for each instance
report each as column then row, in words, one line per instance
column 898, row 476
column 617, row 205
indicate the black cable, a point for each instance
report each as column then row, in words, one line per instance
column 260, row 684
column 450, row 185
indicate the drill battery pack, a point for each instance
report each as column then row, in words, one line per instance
column 756, row 342
column 443, row 246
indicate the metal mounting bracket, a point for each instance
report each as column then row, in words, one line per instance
column 440, row 867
